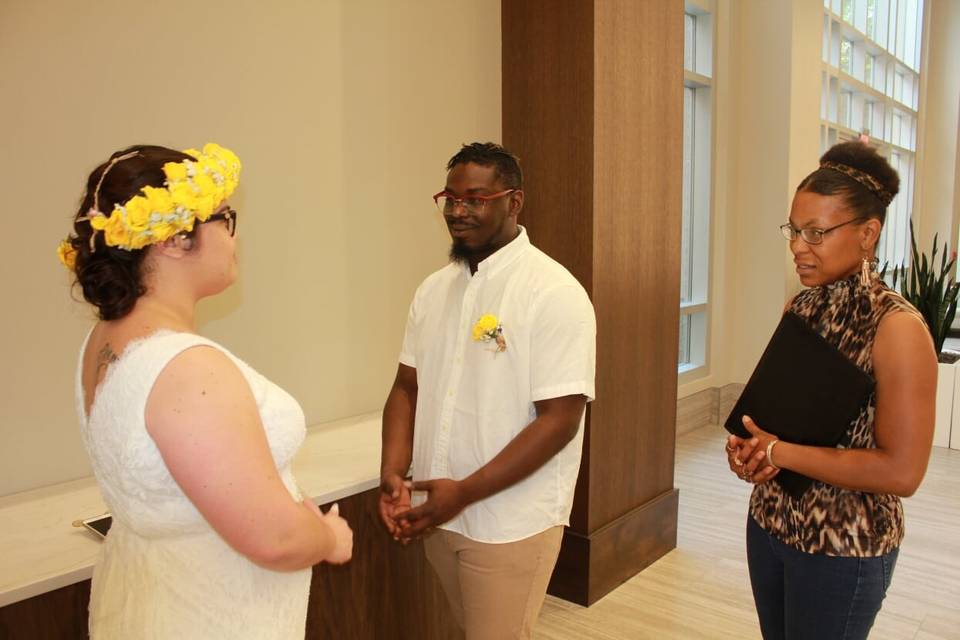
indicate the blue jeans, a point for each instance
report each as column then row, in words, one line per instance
column 807, row 596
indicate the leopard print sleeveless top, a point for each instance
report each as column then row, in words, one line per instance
column 827, row 519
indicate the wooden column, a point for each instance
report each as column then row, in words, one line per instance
column 592, row 105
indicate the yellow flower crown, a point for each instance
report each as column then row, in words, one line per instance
column 192, row 191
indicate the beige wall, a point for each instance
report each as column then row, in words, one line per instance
column 777, row 110
column 343, row 113
column 767, row 138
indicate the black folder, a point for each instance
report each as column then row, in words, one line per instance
column 803, row 391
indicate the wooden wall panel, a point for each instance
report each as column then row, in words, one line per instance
column 547, row 72
column 638, row 156
column 57, row 615
column 388, row 592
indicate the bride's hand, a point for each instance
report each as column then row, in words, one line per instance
column 342, row 536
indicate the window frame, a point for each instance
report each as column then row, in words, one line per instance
column 695, row 309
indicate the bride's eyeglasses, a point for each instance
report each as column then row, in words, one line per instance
column 230, row 215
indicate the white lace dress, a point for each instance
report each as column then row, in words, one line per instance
column 163, row 571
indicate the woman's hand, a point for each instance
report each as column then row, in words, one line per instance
column 339, row 529
column 747, row 457
column 759, row 436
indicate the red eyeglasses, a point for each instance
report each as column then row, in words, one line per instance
column 447, row 202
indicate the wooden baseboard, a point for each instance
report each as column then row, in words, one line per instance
column 591, row 566
column 707, row 407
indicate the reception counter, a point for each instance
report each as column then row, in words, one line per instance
column 387, row 591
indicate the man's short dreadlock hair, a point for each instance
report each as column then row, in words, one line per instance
column 487, row 154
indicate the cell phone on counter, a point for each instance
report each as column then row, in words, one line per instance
column 99, row 524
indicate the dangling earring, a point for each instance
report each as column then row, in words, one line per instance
column 866, row 271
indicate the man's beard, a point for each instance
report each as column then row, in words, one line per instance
column 460, row 252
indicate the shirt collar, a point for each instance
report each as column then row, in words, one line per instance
column 504, row 256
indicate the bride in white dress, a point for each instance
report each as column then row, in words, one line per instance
column 190, row 446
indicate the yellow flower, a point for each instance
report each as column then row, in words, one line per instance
column 485, row 327
column 159, row 200
column 99, row 222
column 164, row 230
column 218, row 195
column 67, row 255
column 182, row 195
column 137, row 211
column 204, row 183
column 212, row 149
column 175, row 171
column 140, row 240
column 223, row 154
column 116, row 233
column 488, row 322
column 204, row 207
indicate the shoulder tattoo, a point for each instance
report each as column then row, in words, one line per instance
column 105, row 357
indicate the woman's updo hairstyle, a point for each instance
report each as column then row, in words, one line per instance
column 112, row 278
column 859, row 174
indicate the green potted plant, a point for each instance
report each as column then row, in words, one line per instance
column 932, row 292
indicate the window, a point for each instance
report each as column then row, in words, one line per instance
column 846, row 53
column 846, row 10
column 689, row 41
column 697, row 150
column 843, row 111
column 880, row 42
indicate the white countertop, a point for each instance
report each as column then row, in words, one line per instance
column 40, row 549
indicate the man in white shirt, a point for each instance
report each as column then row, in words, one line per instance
column 496, row 369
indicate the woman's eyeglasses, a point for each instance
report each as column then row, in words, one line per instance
column 811, row 235
column 230, row 215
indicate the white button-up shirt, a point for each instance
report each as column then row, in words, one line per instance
column 473, row 400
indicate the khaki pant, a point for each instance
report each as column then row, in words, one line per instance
column 495, row 590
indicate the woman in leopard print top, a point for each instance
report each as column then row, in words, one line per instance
column 820, row 564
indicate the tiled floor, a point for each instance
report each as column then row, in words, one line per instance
column 701, row 590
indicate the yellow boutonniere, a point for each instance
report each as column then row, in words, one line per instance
column 489, row 328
